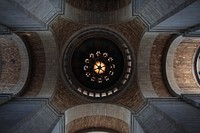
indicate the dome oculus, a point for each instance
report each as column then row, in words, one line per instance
column 97, row 64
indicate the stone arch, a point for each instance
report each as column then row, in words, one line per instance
column 118, row 116
column 95, row 12
column 14, row 64
column 44, row 64
column 143, row 63
column 150, row 63
column 179, row 66
column 51, row 64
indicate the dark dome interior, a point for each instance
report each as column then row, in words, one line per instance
column 92, row 45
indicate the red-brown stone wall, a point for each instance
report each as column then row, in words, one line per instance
column 63, row 29
column 64, row 98
column 10, row 64
column 156, row 65
column 96, row 122
column 37, row 61
column 183, row 63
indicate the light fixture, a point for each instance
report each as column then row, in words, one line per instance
column 99, row 67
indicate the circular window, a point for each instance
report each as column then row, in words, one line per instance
column 97, row 63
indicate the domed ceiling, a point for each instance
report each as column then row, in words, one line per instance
column 100, row 61
column 97, row 52
column 81, row 48
column 80, row 44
